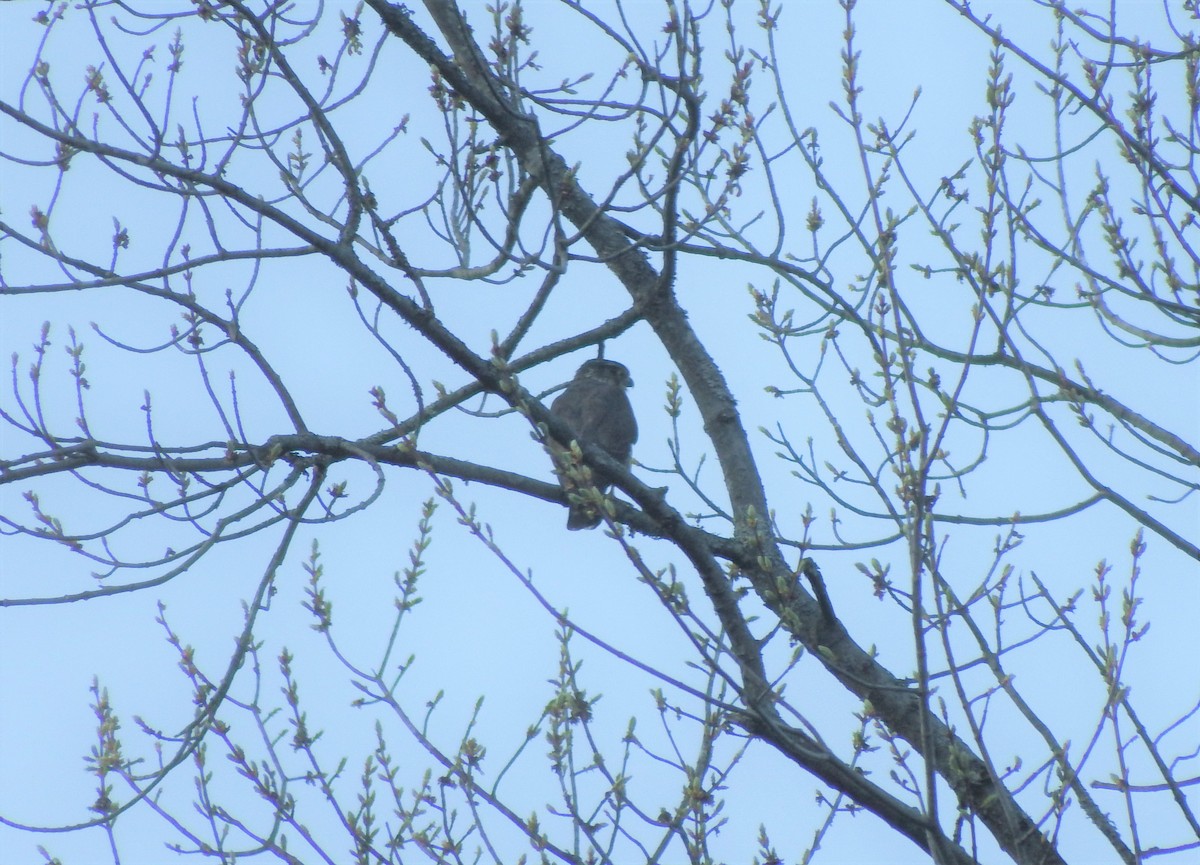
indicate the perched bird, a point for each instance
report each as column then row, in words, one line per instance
column 596, row 408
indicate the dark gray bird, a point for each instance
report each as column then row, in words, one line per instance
column 595, row 406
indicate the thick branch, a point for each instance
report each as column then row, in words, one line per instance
column 897, row 703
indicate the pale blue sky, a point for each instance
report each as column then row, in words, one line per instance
column 479, row 631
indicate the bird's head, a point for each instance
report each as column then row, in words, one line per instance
column 607, row 371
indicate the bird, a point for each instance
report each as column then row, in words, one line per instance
column 596, row 408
